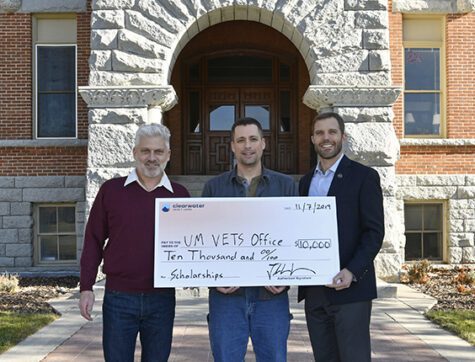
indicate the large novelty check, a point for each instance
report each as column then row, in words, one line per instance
column 245, row 241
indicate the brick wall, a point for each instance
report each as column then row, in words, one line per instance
column 16, row 102
column 83, row 48
column 438, row 160
column 15, row 76
column 461, row 75
column 460, row 55
column 43, row 161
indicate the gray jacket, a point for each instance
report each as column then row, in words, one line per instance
column 272, row 184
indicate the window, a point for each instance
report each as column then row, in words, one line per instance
column 55, row 96
column 55, row 234
column 424, row 85
column 424, row 231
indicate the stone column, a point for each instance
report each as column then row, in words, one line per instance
column 371, row 140
column 115, row 113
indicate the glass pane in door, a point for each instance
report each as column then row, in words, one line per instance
column 221, row 118
column 259, row 112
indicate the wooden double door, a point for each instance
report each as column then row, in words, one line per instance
column 212, row 113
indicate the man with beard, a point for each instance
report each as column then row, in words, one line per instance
column 262, row 313
column 123, row 215
column 338, row 314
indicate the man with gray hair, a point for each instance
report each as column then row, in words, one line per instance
column 123, row 215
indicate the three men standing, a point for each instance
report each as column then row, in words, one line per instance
column 338, row 315
column 262, row 313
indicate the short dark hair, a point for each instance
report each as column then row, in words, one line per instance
column 326, row 115
column 246, row 121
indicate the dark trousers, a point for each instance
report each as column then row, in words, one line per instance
column 339, row 333
column 125, row 315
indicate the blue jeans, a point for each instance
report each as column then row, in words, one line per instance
column 235, row 318
column 127, row 314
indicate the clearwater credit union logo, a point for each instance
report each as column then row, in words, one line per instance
column 182, row 207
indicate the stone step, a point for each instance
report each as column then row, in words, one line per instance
column 386, row 290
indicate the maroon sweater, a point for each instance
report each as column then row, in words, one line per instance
column 125, row 216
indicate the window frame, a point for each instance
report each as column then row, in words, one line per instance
column 444, row 228
column 37, row 42
column 36, row 231
column 442, row 74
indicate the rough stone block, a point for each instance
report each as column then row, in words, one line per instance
column 23, row 262
column 468, row 255
column 6, row 261
column 466, row 192
column 103, row 40
column 97, row 176
column 25, row 235
column 462, row 204
column 138, row 23
column 111, row 145
column 375, row 39
column 461, row 239
column 2, row 249
column 80, row 206
column 8, row 236
column 21, row 208
column 156, row 11
column 427, row 193
column 456, row 226
column 469, row 225
column 75, row 181
column 352, row 79
column 455, row 255
column 131, row 42
column 371, row 19
column 39, row 181
column 441, row 180
column 17, row 222
column 379, row 60
column 53, row 195
column 112, row 4
column 350, row 62
column 406, row 180
column 117, row 115
column 4, row 208
column 388, row 265
column 7, row 182
column 372, row 143
column 10, row 195
column 461, row 213
column 100, row 59
column 365, row 4
column 470, row 180
column 107, row 19
column 56, row 6
column 18, row 250
column 125, row 62
column 366, row 114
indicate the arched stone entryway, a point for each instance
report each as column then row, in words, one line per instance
column 344, row 43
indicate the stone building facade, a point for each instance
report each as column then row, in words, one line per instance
column 340, row 55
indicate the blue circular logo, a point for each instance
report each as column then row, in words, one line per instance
column 166, row 208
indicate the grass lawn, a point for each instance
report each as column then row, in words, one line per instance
column 14, row 327
column 460, row 322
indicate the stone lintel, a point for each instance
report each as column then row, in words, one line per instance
column 318, row 97
column 129, row 96
column 433, row 6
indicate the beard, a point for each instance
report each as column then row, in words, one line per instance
column 321, row 153
column 151, row 169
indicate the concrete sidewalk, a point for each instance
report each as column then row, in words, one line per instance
column 398, row 329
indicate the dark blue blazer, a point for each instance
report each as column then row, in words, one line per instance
column 360, row 219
